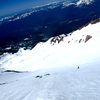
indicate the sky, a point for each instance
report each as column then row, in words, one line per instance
column 10, row 6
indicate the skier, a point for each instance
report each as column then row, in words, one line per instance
column 78, row 67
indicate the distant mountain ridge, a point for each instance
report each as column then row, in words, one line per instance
column 52, row 5
column 34, row 26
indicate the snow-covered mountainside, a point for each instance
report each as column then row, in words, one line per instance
column 43, row 7
column 63, row 68
column 28, row 12
column 73, row 49
column 84, row 2
column 41, row 23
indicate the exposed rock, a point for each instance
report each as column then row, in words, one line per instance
column 87, row 38
column 95, row 21
column 46, row 74
column 57, row 39
column 13, row 71
column 68, row 41
column 3, row 83
column 38, row 76
column 92, row 22
column 80, row 40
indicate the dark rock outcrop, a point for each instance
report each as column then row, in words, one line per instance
column 88, row 37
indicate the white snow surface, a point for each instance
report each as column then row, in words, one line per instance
column 84, row 2
column 68, row 52
column 56, row 64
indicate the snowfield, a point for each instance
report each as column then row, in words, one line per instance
column 61, row 84
column 63, row 68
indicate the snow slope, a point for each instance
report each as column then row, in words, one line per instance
column 61, row 84
column 73, row 50
column 55, row 74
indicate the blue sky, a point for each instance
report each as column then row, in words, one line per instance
column 10, row 6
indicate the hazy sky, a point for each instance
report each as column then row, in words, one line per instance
column 9, row 6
